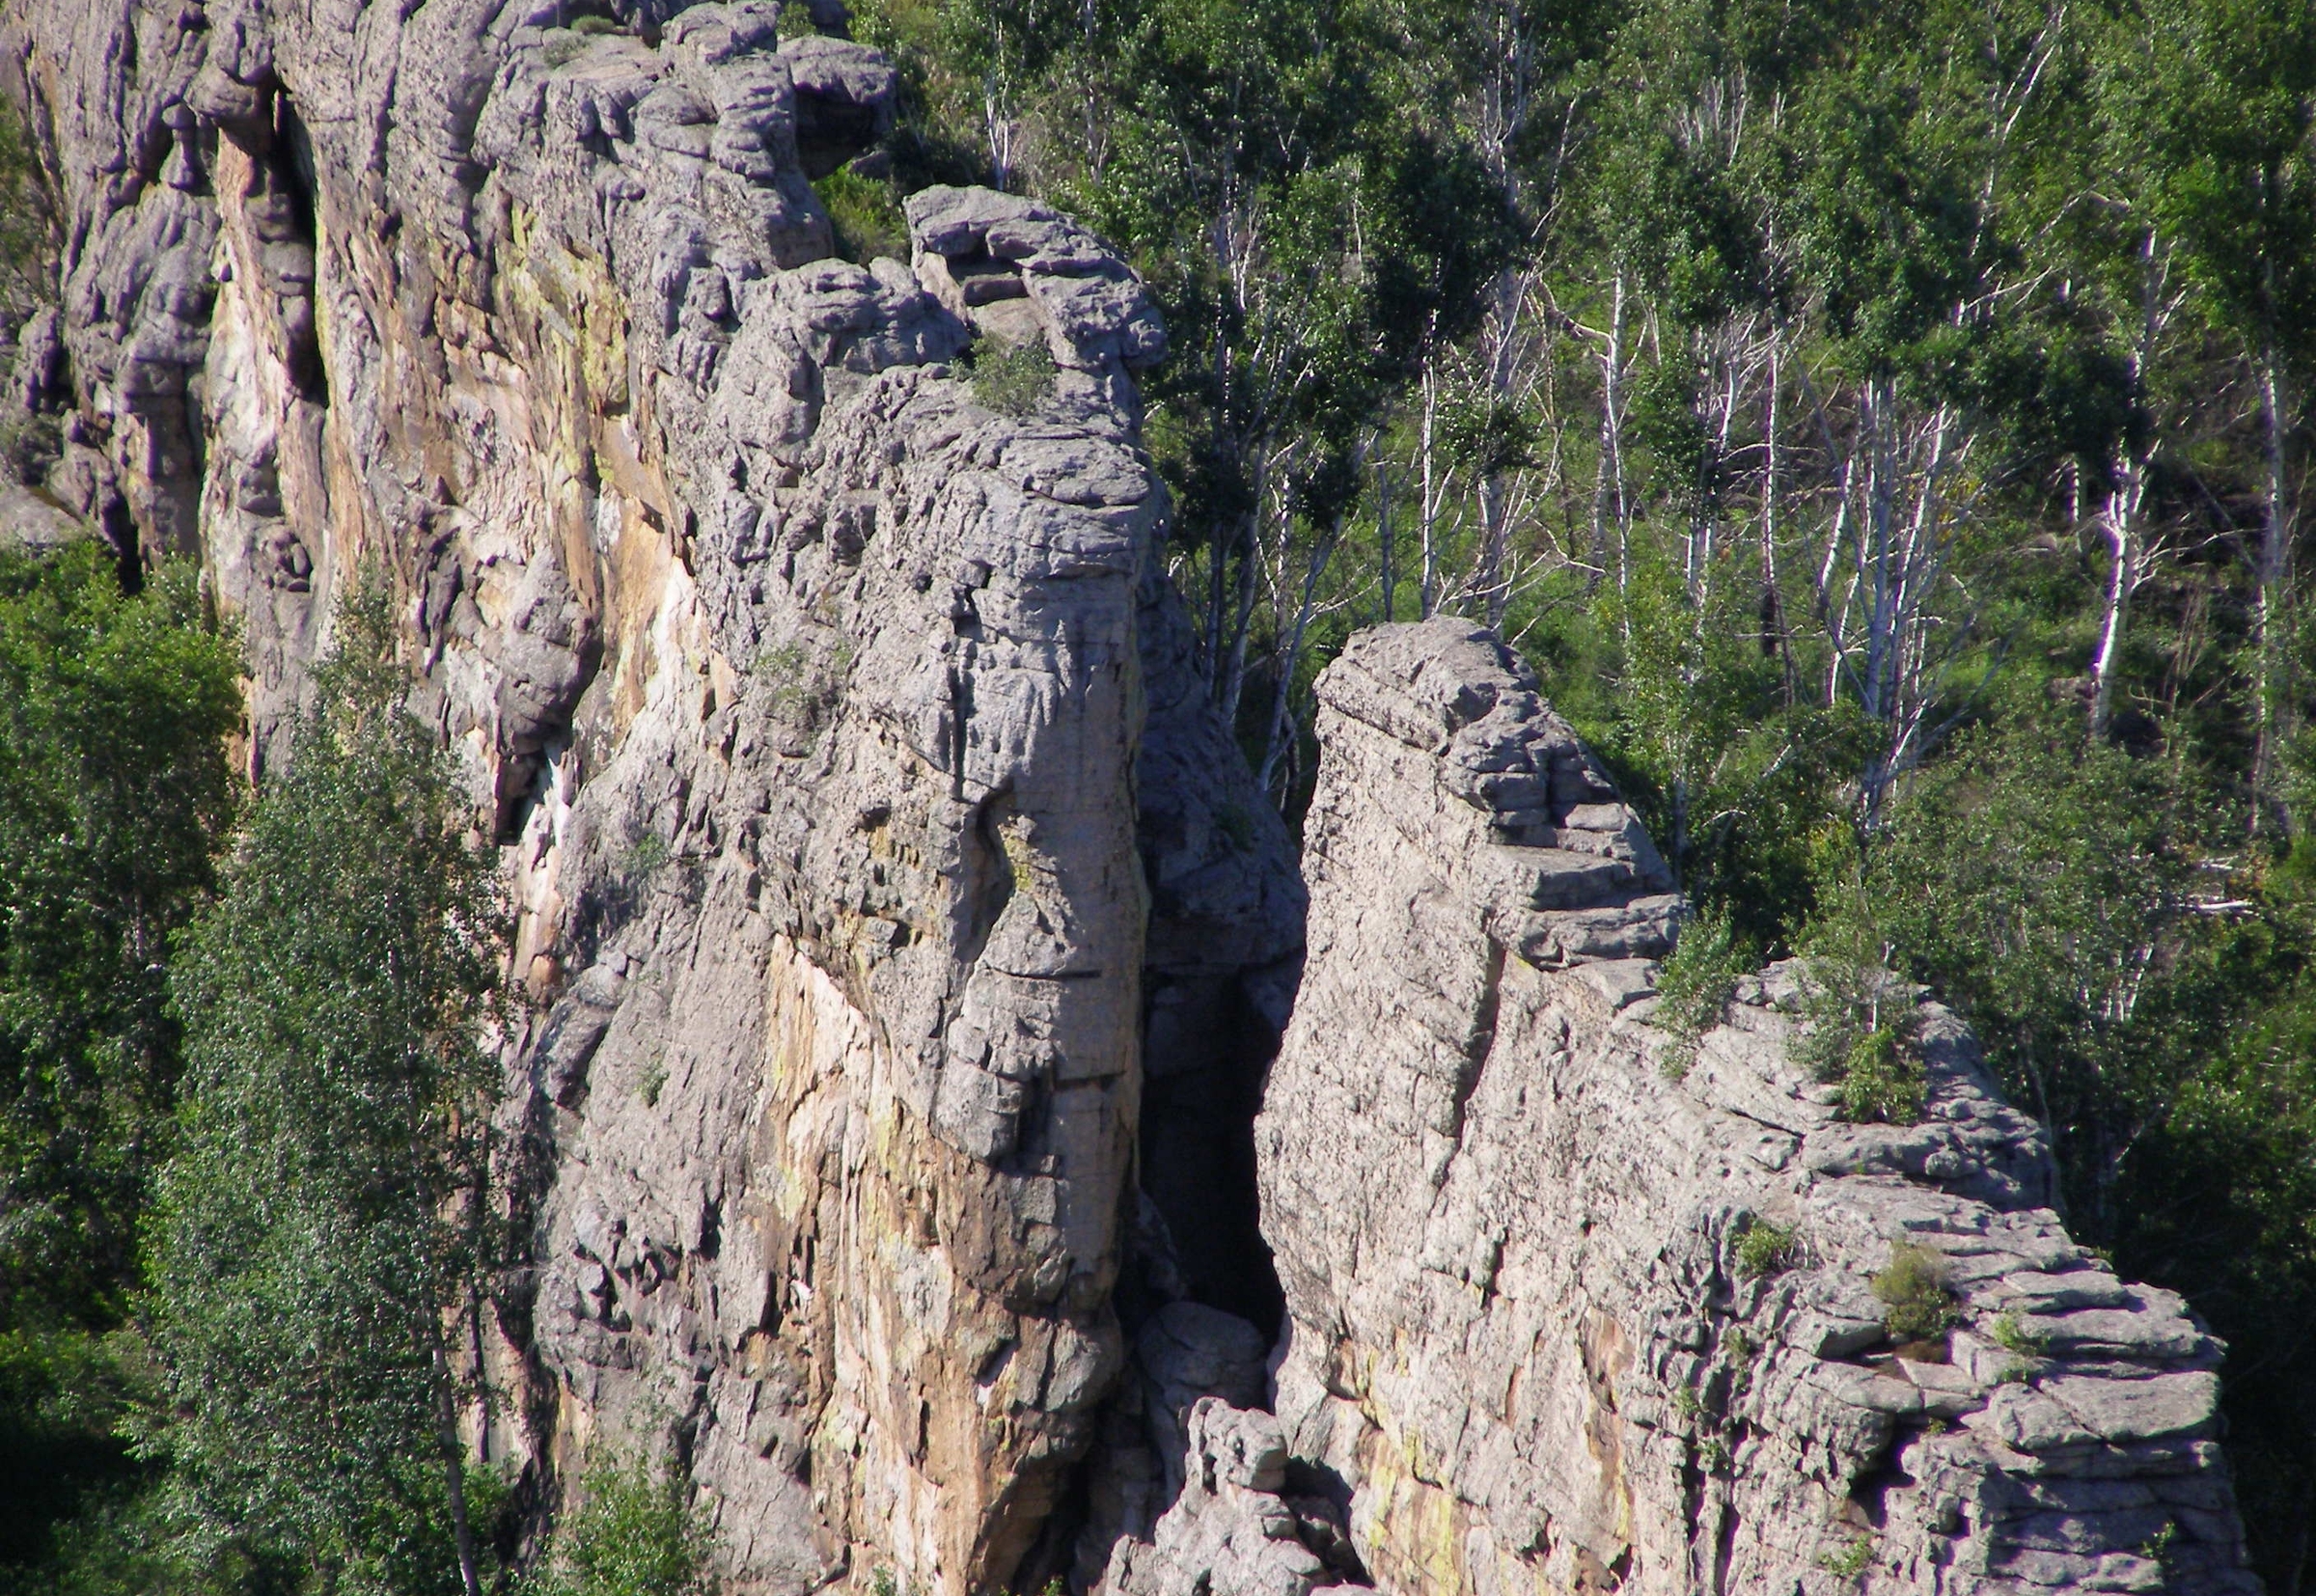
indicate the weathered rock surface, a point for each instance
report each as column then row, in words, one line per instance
column 806, row 692
column 906, row 941
column 1522, row 1349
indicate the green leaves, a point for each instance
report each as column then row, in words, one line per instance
column 113, row 791
column 327, row 1207
column 631, row 1536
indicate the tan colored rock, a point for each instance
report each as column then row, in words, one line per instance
column 804, row 694
column 893, row 900
column 1520, row 1336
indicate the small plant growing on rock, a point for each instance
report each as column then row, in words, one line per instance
column 2012, row 1335
column 1852, row 1560
column 1863, row 1039
column 1917, row 1303
column 1695, row 984
column 1015, row 381
column 805, row 691
column 1765, row 1249
column 865, row 211
column 644, row 858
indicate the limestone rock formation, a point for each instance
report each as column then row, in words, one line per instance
column 904, row 941
column 1526, row 1349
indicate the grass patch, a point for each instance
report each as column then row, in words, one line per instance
column 1852, row 1560
column 2011, row 1336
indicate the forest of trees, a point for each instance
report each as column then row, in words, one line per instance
column 1887, row 428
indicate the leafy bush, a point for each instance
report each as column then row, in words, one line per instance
column 1917, row 1303
column 866, row 212
column 1863, row 1035
column 632, row 1536
column 1695, row 986
column 1765, row 1249
column 1014, row 381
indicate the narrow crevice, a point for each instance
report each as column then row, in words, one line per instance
column 1207, row 1049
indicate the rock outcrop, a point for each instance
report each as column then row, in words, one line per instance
column 905, row 941
column 806, row 692
column 1530, row 1347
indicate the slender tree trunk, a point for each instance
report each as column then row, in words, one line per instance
column 1611, row 431
column 1233, row 677
column 2295, row 1573
column 2127, row 499
column 1275, row 741
column 453, row 1461
column 2273, row 572
column 2121, row 525
column 1383, row 536
column 1430, row 515
column 1773, row 603
column 1495, row 531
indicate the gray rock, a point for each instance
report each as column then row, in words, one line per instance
column 889, row 898
column 35, row 522
column 1519, row 1330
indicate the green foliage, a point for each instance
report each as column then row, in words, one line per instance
column 1764, row 1249
column 1852, row 1560
column 1013, row 381
column 1917, row 1303
column 1860, row 1041
column 29, row 232
column 1696, row 982
column 114, row 791
column 632, row 1535
column 866, row 212
column 325, row 1208
column 2012, row 1335
column 641, row 861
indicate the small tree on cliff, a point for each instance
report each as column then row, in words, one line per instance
column 321, row 1231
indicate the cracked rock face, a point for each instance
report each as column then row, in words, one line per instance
column 806, row 693
column 1524, row 1352
column 906, row 942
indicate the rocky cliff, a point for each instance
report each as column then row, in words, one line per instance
column 905, row 944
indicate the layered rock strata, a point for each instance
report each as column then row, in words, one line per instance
column 1530, row 1347
column 905, row 940
column 805, row 690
